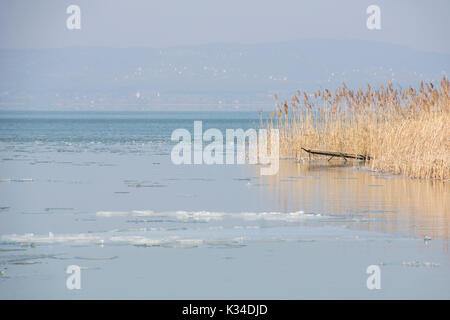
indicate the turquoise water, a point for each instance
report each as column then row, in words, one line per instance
column 99, row 190
column 112, row 127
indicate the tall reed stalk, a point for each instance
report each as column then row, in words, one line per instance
column 403, row 131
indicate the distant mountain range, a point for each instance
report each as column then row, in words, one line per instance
column 223, row 76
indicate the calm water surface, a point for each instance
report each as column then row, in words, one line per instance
column 98, row 190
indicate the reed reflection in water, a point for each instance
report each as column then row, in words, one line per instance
column 378, row 202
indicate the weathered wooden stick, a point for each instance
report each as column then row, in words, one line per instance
column 338, row 154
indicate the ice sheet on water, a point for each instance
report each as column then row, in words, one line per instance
column 172, row 242
column 112, row 213
column 23, row 180
column 50, row 238
column 136, row 240
column 17, row 180
column 215, row 215
column 222, row 238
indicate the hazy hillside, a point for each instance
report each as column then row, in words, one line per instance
column 202, row 77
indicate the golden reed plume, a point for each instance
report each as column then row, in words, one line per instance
column 403, row 131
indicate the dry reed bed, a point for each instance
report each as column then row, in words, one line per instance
column 404, row 131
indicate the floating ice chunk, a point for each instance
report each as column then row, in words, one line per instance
column 51, row 238
column 24, row 180
column 187, row 243
column 142, row 213
column 138, row 240
column 215, row 215
column 112, row 213
column 411, row 263
column 431, row 264
column 200, row 215
column 296, row 213
column 290, row 216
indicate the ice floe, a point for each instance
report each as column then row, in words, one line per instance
column 215, row 215
column 50, row 238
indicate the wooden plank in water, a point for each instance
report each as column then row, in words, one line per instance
column 333, row 154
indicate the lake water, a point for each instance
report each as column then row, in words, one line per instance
column 99, row 190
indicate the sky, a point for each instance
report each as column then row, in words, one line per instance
column 422, row 25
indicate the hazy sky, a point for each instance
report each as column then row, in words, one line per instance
column 423, row 25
